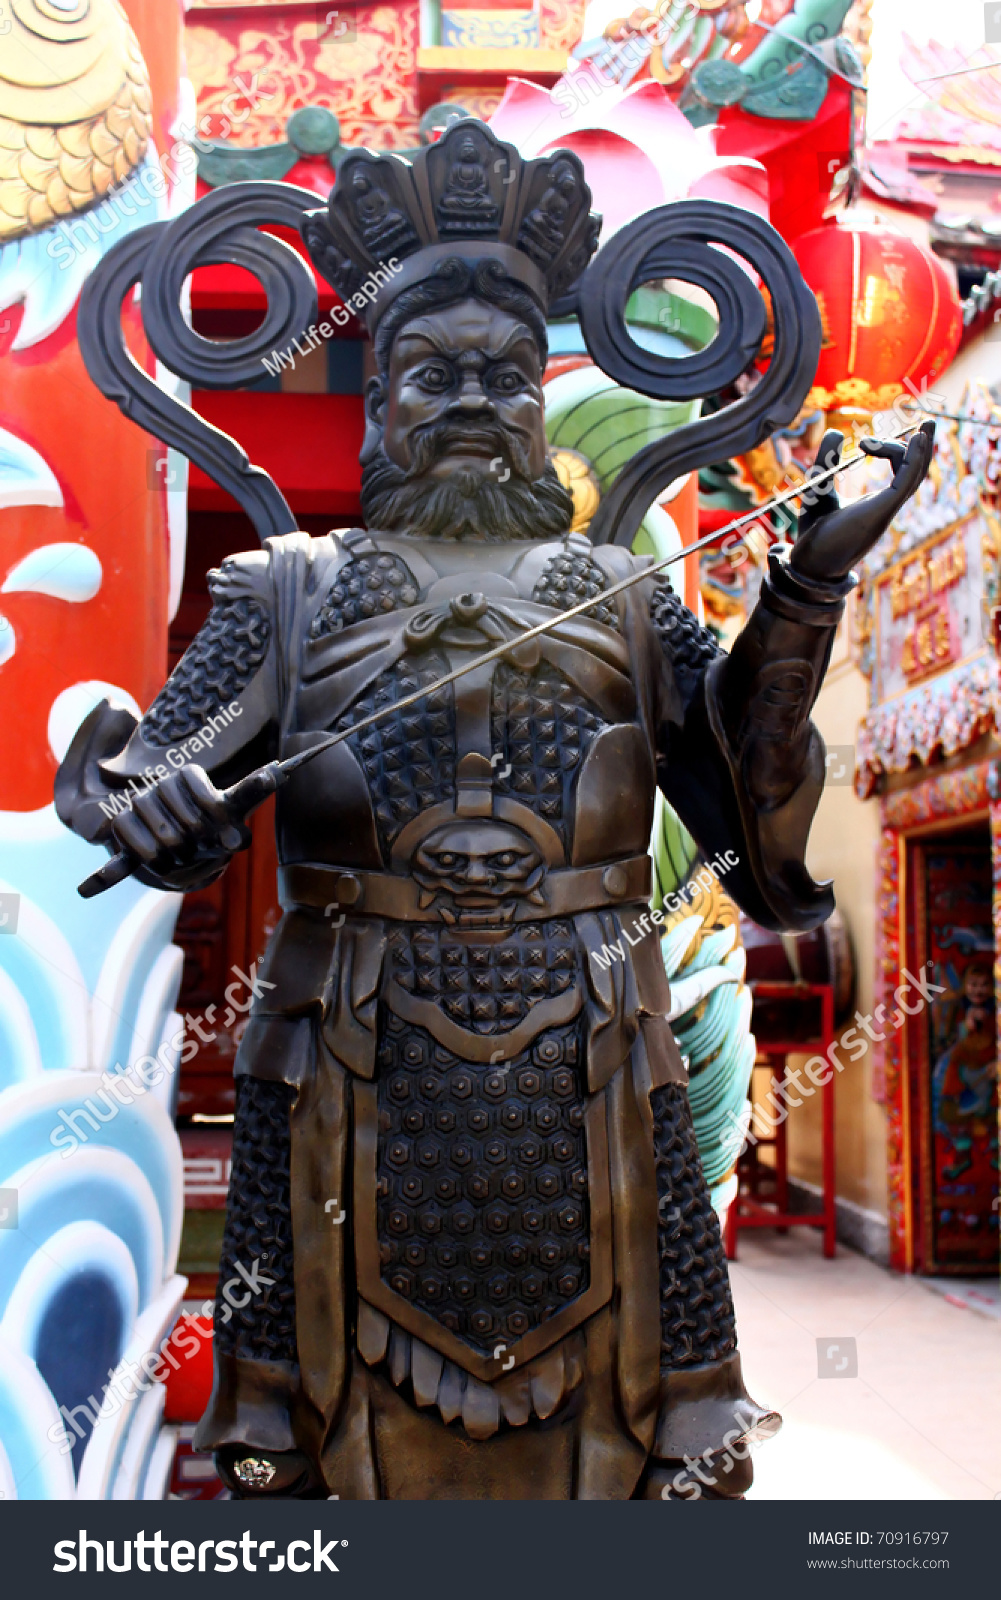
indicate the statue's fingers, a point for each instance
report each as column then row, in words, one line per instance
column 177, row 798
column 132, row 832
column 917, row 460
column 829, row 454
column 923, row 443
column 163, row 827
column 884, row 450
column 209, row 800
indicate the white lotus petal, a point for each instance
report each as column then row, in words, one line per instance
column 141, row 1135
column 20, row 1057
column 27, row 1413
column 43, row 964
column 143, row 933
column 107, row 1443
column 8, row 639
column 26, row 479
column 139, row 1444
column 161, row 1464
column 64, row 571
column 155, row 1009
column 79, row 1247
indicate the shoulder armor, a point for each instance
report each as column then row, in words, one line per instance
column 359, row 581
column 242, row 576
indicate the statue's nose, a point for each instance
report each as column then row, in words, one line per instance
column 472, row 396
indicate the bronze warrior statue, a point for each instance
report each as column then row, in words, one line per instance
column 527, row 1297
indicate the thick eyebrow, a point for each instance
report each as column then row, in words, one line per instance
column 424, row 330
column 517, row 335
column 421, row 329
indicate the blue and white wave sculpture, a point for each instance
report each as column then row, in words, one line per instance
column 91, row 1194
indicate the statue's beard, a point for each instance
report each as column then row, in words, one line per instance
column 468, row 504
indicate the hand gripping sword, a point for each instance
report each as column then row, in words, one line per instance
column 250, row 792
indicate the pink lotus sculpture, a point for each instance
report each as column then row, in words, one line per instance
column 637, row 148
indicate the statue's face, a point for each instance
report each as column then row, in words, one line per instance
column 471, row 375
column 478, row 865
column 978, row 986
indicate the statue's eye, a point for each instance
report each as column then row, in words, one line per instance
column 505, row 859
column 508, row 381
column 435, row 378
column 449, row 859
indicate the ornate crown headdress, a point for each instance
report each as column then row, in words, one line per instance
column 390, row 220
column 468, row 195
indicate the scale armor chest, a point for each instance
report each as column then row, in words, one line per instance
column 541, row 725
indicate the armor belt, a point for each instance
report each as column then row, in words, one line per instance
column 563, row 892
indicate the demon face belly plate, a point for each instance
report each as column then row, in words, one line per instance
column 482, row 1213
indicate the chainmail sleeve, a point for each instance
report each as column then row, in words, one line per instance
column 696, row 1308
column 221, row 662
column 688, row 646
column 218, row 709
column 255, row 1309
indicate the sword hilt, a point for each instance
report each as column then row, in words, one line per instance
column 240, row 800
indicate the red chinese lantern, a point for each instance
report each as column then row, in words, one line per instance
column 891, row 316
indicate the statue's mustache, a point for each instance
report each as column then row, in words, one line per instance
column 467, row 503
column 430, row 443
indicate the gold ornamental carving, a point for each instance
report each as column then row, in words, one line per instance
column 75, row 110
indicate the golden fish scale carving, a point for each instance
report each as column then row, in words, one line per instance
column 50, row 171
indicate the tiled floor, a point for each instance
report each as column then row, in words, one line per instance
column 920, row 1421
column 978, row 1294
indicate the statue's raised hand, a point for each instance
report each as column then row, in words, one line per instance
column 834, row 538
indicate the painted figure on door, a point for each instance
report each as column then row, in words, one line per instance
column 965, row 1080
